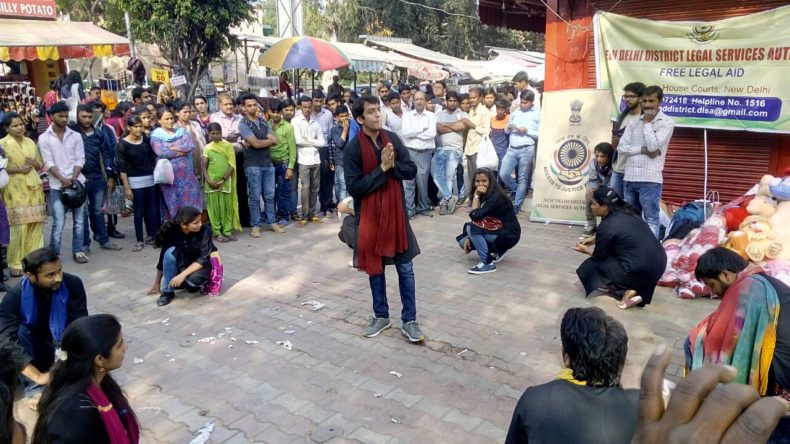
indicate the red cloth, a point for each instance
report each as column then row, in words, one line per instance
column 112, row 420
column 382, row 223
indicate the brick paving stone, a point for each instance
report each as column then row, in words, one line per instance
column 263, row 393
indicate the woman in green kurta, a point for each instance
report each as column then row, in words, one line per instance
column 219, row 169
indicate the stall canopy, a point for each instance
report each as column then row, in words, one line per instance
column 409, row 49
column 45, row 40
column 367, row 59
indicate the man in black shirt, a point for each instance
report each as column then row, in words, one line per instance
column 586, row 403
column 38, row 309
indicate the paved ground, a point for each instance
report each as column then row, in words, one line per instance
column 215, row 360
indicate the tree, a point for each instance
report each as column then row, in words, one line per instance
column 458, row 34
column 190, row 33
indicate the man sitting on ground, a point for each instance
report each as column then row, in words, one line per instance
column 38, row 309
column 750, row 329
column 586, row 403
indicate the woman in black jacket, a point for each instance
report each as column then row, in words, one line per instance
column 626, row 258
column 494, row 228
column 185, row 259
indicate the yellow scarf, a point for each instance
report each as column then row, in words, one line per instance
column 566, row 374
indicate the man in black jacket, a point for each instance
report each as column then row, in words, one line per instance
column 586, row 402
column 38, row 309
column 376, row 164
column 99, row 163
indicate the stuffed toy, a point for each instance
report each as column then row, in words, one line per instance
column 761, row 246
column 778, row 269
column 737, row 241
column 763, row 204
column 736, row 212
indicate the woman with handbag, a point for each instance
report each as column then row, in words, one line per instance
column 136, row 162
column 626, row 258
column 177, row 147
column 494, row 228
column 24, row 194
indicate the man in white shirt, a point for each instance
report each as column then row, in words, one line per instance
column 406, row 99
column 394, row 113
column 521, row 83
column 309, row 137
column 645, row 142
column 325, row 120
column 63, row 153
column 419, row 135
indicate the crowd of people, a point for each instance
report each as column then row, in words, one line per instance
column 196, row 178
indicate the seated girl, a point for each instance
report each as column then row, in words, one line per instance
column 494, row 228
column 83, row 403
column 186, row 258
column 600, row 174
column 626, row 257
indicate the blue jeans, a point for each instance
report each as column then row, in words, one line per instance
column 519, row 160
column 443, row 170
column 96, row 190
column 482, row 243
column 260, row 180
column 282, row 192
column 616, row 183
column 340, row 183
column 644, row 196
column 58, row 211
column 169, row 268
column 378, row 286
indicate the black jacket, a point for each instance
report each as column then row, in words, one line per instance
column 11, row 313
column 359, row 185
column 190, row 248
column 99, row 152
column 500, row 207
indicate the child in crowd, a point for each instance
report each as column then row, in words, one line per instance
column 337, row 140
column 499, row 132
column 219, row 169
column 600, row 175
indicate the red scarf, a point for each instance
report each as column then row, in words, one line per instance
column 382, row 223
column 112, row 421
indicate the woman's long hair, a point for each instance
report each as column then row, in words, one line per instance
column 184, row 216
column 83, row 340
column 493, row 185
column 610, row 198
column 11, row 364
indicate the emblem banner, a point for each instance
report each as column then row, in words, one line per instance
column 572, row 122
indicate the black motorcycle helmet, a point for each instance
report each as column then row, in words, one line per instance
column 73, row 196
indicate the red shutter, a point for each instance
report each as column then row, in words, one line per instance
column 736, row 159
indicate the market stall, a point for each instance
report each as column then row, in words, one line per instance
column 34, row 45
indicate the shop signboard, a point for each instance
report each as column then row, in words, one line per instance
column 28, row 9
column 725, row 74
column 572, row 122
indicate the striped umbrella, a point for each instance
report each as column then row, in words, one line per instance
column 303, row 53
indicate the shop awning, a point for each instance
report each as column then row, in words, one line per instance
column 367, row 59
column 47, row 40
column 407, row 48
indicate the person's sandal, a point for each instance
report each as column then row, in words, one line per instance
column 630, row 303
column 231, row 238
column 17, row 273
column 138, row 247
column 221, row 238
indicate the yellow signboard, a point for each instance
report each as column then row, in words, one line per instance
column 160, row 75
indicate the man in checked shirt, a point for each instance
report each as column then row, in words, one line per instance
column 645, row 144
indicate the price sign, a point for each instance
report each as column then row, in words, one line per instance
column 160, row 75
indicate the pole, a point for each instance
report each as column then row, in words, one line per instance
column 705, row 179
column 355, row 81
column 129, row 33
column 312, row 79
